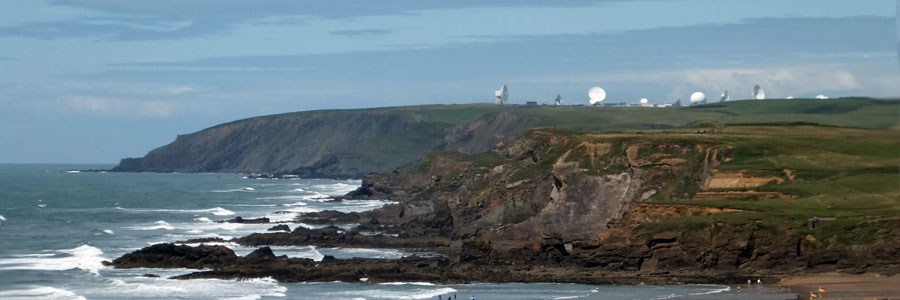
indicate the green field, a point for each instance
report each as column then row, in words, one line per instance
column 843, row 112
column 852, row 175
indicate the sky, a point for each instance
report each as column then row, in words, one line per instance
column 94, row 81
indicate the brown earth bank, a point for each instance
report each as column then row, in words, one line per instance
column 549, row 206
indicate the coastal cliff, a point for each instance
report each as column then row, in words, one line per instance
column 351, row 143
column 656, row 206
column 326, row 144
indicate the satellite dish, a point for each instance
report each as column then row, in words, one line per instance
column 758, row 93
column 502, row 94
column 596, row 94
column 724, row 97
column 698, row 97
column 821, row 97
column 644, row 101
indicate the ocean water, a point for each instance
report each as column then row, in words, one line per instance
column 56, row 227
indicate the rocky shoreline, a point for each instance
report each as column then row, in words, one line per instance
column 548, row 207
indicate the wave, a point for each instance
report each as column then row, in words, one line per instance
column 243, row 189
column 83, row 257
column 42, row 292
column 410, row 294
column 408, row 283
column 140, row 287
column 2, row 218
column 156, row 225
column 215, row 210
column 715, row 291
column 220, row 211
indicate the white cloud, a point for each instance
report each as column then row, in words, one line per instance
column 107, row 106
column 177, row 90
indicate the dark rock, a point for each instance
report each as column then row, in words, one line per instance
column 238, row 219
column 150, row 275
column 173, row 256
column 280, row 227
column 203, row 240
column 263, row 253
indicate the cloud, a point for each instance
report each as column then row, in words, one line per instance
column 361, row 32
column 105, row 106
column 175, row 19
column 177, row 90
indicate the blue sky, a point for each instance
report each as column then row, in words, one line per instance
column 99, row 80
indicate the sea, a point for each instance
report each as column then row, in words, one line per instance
column 57, row 225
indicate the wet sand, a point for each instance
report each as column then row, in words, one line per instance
column 843, row 286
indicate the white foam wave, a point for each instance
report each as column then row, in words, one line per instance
column 215, row 210
column 2, row 218
column 410, row 294
column 108, row 231
column 42, row 205
column 203, row 219
column 714, row 291
column 162, row 288
column 83, row 257
column 156, row 225
column 41, row 292
column 243, row 189
column 408, row 283
column 220, row 211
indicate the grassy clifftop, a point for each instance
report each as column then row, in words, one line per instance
column 350, row 143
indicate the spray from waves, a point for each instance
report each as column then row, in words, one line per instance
column 39, row 292
column 215, row 210
column 2, row 218
column 83, row 257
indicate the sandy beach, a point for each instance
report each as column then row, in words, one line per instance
column 843, row 286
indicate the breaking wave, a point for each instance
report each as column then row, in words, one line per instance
column 83, row 257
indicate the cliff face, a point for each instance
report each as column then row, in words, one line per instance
column 544, row 186
column 607, row 203
column 344, row 144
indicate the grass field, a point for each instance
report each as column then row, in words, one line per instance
column 849, row 174
column 844, row 112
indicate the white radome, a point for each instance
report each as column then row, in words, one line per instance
column 596, row 94
column 821, row 97
column 644, row 101
column 789, row 97
column 698, row 97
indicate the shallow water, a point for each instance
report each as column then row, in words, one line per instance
column 57, row 226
